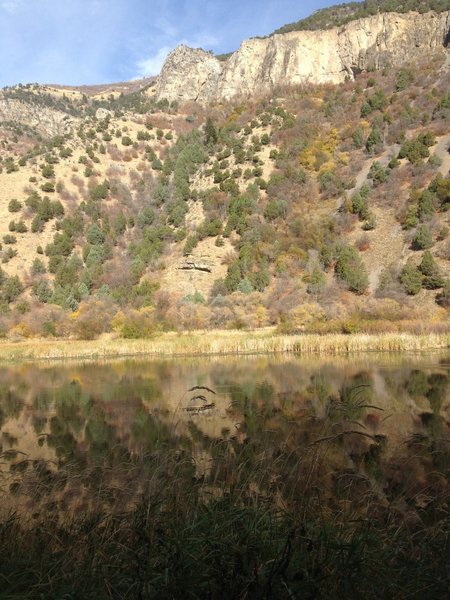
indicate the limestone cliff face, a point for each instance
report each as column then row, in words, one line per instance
column 298, row 57
column 47, row 121
column 189, row 74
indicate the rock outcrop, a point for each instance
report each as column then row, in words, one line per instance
column 190, row 265
column 189, row 74
column 103, row 113
column 46, row 121
column 331, row 56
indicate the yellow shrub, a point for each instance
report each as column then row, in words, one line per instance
column 320, row 151
column 135, row 324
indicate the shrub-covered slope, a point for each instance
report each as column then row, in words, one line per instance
column 322, row 209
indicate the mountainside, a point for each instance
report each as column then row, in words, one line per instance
column 310, row 208
column 262, row 65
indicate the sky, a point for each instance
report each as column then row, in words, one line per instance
column 74, row 42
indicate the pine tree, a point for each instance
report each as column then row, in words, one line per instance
column 429, row 268
column 210, row 132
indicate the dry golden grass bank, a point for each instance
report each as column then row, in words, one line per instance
column 197, row 343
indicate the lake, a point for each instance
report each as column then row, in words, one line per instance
column 365, row 437
column 87, row 416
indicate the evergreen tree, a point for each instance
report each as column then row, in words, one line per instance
column 210, row 132
column 411, row 279
column 423, row 238
column 429, row 268
column 351, row 269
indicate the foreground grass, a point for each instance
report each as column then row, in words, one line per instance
column 222, row 342
column 223, row 550
column 181, row 540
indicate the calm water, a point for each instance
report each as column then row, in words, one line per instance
column 72, row 434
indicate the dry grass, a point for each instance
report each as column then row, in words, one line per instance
column 196, row 343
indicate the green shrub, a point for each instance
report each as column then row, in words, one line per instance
column 417, row 149
column 351, row 269
column 9, row 254
column 37, row 267
column 190, row 244
column 432, row 276
column 11, row 289
column 411, row 279
column 9, row 239
column 403, row 79
column 99, row 191
column 316, row 281
column 423, row 238
column 370, row 223
column 143, row 136
column 360, row 205
column 378, row 173
column 275, row 209
column 21, row 227
column 14, row 205
column 95, row 235
column 411, row 219
column 374, row 141
column 37, row 224
column 48, row 187
column 145, row 217
column 47, row 171
column 425, row 205
column 195, row 298
column 360, row 202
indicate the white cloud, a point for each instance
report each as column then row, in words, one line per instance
column 152, row 65
column 204, row 40
column 10, row 5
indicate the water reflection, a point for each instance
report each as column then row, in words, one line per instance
column 74, row 436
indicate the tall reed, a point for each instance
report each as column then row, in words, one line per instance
column 222, row 343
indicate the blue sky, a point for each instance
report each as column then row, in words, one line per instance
column 100, row 41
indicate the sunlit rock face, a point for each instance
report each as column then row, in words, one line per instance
column 331, row 56
column 189, row 74
column 44, row 120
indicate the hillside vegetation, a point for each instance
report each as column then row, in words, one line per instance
column 334, row 16
column 321, row 209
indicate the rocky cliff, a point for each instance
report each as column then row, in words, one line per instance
column 330, row 56
column 44, row 120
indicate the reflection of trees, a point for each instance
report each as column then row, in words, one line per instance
column 435, row 424
column 11, row 404
column 42, row 400
column 323, row 439
column 417, row 384
column 150, row 433
column 68, row 422
column 437, row 390
column 354, row 398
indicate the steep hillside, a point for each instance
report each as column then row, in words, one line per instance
column 324, row 208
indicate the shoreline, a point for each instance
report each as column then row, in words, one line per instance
column 220, row 343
